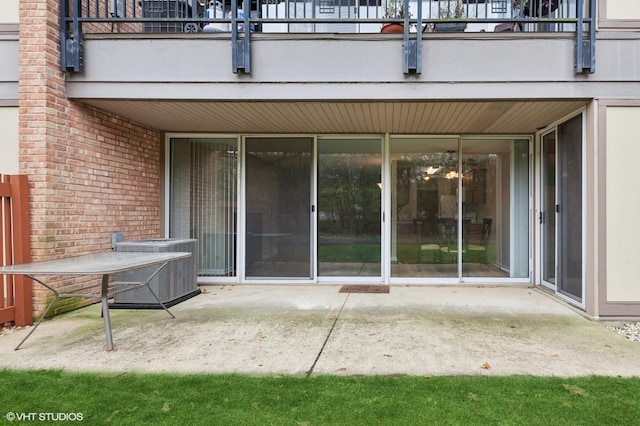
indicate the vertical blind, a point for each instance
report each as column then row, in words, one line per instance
column 203, row 200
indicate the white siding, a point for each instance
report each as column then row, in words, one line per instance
column 623, row 9
column 623, row 203
column 9, row 140
column 9, row 12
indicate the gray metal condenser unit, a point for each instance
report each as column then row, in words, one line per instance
column 176, row 282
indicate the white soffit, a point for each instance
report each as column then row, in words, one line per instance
column 485, row 117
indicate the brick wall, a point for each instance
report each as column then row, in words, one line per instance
column 91, row 173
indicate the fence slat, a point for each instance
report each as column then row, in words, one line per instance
column 15, row 248
column 7, row 314
column 5, row 189
column 5, row 216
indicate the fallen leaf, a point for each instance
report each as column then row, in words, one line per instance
column 575, row 390
column 555, row 356
column 342, row 369
column 486, row 366
column 388, row 356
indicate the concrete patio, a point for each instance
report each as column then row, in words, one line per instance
column 315, row 329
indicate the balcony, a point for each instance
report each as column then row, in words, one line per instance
column 417, row 20
column 286, row 69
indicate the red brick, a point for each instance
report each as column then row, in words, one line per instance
column 87, row 168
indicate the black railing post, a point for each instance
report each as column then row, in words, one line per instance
column 246, row 8
column 579, row 62
column 71, row 45
column 592, row 36
column 240, row 47
column 412, row 48
column 64, row 13
column 585, row 49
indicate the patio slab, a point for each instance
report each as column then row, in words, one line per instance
column 314, row 329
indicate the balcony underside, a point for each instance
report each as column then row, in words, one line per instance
column 490, row 117
column 480, row 83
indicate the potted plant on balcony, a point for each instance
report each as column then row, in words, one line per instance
column 450, row 10
column 395, row 9
column 535, row 8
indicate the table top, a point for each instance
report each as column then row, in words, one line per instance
column 93, row 264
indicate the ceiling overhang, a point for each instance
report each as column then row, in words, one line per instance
column 347, row 117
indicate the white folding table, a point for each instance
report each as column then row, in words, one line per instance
column 104, row 264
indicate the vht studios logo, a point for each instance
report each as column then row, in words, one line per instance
column 50, row 417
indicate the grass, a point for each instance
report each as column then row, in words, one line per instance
column 133, row 399
column 369, row 253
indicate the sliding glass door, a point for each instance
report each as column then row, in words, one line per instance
column 349, row 207
column 203, row 200
column 547, row 214
column 561, row 210
column 424, row 207
column 570, row 208
column 278, row 229
column 495, row 208
column 460, row 208
column 446, row 209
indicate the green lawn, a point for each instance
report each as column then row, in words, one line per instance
column 131, row 399
column 369, row 253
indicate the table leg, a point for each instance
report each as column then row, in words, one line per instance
column 154, row 293
column 55, row 298
column 104, row 295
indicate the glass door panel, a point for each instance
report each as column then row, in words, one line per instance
column 424, row 207
column 278, row 207
column 570, row 208
column 495, row 208
column 349, row 207
column 548, row 209
column 203, row 200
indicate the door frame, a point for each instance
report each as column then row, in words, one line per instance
column 538, row 280
column 386, row 223
column 242, row 214
column 539, row 182
column 382, row 278
column 460, row 279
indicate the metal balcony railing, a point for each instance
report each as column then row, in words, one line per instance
column 415, row 17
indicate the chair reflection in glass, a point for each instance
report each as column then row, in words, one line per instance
column 477, row 242
column 428, row 252
column 444, row 249
column 448, row 227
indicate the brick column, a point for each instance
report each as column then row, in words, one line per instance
column 91, row 173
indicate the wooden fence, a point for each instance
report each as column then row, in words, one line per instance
column 16, row 305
